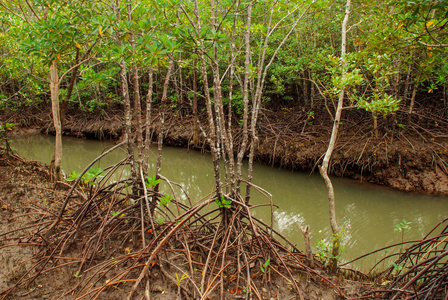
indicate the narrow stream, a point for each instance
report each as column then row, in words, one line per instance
column 368, row 213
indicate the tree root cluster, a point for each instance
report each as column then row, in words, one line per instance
column 120, row 236
column 114, row 240
column 419, row 272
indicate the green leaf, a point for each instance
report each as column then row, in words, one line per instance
column 151, row 182
column 165, row 200
column 223, row 202
column 72, row 177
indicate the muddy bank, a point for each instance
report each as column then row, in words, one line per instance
column 410, row 158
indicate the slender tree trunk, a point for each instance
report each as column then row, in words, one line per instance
column 308, row 252
column 245, row 140
column 375, row 125
column 136, row 95
column 162, row 112
column 229, row 112
column 223, row 139
column 261, row 78
column 323, row 169
column 148, row 122
column 411, row 105
column 162, row 121
column 255, row 108
column 195, row 105
column 127, row 105
column 138, row 113
column 54, row 90
column 216, row 87
column 126, row 99
column 212, row 135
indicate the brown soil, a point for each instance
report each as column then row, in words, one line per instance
column 413, row 158
column 23, row 188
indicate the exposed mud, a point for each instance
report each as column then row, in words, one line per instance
column 23, row 187
column 411, row 157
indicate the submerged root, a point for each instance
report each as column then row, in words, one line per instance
column 420, row 272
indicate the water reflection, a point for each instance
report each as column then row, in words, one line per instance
column 368, row 213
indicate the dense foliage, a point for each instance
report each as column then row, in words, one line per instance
column 394, row 47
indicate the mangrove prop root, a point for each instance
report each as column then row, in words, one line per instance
column 421, row 272
column 193, row 243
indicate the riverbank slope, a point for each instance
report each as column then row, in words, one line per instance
column 410, row 157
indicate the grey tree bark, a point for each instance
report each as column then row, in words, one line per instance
column 323, row 168
column 54, row 90
column 148, row 121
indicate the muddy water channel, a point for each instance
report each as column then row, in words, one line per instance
column 368, row 213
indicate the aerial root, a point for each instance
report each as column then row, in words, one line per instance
column 122, row 236
column 420, row 272
column 201, row 257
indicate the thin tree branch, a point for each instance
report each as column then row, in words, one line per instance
column 18, row 16
column 77, row 65
column 32, row 9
